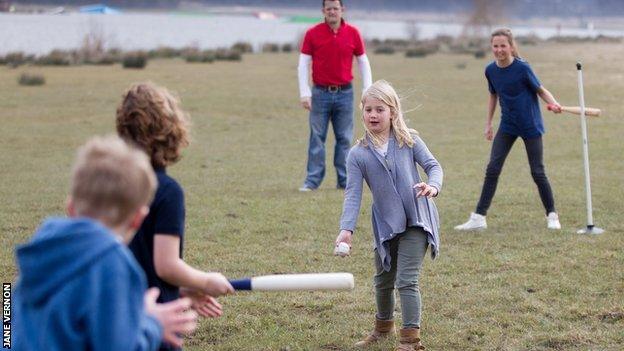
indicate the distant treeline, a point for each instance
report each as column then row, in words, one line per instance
column 525, row 8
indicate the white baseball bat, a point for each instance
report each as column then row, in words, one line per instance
column 589, row 111
column 295, row 282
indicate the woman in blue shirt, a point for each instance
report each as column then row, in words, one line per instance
column 512, row 82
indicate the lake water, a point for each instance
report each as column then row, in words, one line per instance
column 39, row 34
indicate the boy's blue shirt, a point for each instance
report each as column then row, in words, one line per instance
column 516, row 86
column 79, row 288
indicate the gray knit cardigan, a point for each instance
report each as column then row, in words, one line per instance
column 391, row 179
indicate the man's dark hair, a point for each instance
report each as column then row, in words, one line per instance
column 341, row 4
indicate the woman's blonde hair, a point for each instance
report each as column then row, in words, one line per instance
column 150, row 117
column 506, row 32
column 384, row 92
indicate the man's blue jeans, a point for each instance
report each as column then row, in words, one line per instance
column 336, row 107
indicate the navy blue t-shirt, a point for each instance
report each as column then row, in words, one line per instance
column 166, row 216
column 516, row 86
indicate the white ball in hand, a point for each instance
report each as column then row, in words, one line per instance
column 342, row 249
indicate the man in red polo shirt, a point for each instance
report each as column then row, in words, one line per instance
column 330, row 46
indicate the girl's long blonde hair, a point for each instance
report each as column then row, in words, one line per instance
column 384, row 92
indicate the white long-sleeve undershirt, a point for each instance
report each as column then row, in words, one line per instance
column 303, row 73
column 365, row 71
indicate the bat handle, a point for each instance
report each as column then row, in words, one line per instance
column 241, row 284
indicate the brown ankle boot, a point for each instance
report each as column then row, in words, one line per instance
column 382, row 329
column 409, row 340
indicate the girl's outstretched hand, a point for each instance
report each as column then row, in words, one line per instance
column 425, row 189
column 342, row 246
column 344, row 237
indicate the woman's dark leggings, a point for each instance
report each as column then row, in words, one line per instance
column 500, row 149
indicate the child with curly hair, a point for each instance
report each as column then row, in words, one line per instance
column 150, row 117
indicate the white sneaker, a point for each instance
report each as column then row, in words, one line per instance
column 475, row 222
column 553, row 221
column 305, row 189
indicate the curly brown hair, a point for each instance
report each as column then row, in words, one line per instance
column 150, row 117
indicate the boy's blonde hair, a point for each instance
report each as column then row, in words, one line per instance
column 111, row 180
column 150, row 116
column 384, row 92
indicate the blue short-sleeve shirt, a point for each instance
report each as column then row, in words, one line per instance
column 166, row 216
column 516, row 87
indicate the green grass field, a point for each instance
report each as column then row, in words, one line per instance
column 515, row 286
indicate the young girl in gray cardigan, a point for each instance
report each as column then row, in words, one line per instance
column 405, row 219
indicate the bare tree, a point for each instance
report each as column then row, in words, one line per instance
column 413, row 32
column 485, row 14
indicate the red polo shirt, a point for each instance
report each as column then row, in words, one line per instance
column 332, row 53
